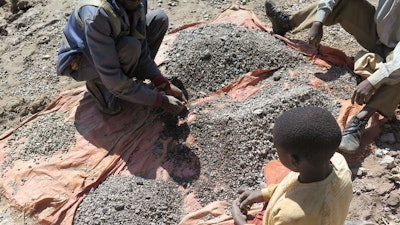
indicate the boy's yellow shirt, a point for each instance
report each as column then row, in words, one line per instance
column 319, row 203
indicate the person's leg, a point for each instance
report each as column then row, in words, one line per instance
column 129, row 49
column 157, row 25
column 360, row 23
column 384, row 101
column 106, row 102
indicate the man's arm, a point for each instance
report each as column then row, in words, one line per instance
column 315, row 34
column 389, row 73
column 325, row 7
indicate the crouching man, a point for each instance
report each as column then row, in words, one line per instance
column 111, row 44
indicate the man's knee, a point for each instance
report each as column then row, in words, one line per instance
column 158, row 19
column 129, row 49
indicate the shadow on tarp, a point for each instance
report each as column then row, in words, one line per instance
column 330, row 75
column 138, row 137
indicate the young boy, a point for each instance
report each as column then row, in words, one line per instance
column 318, row 189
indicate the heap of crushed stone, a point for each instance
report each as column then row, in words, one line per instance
column 208, row 57
column 131, row 200
column 43, row 137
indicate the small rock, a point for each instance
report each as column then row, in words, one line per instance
column 395, row 171
column 393, row 200
column 172, row 4
column 384, row 188
column 43, row 40
column 395, row 178
column 24, row 5
column 393, row 154
column 361, row 172
column 206, row 55
column 258, row 112
column 119, row 207
column 3, row 31
column 277, row 78
column 388, row 138
column 381, row 152
column 388, row 161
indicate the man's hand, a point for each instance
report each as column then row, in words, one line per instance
column 172, row 105
column 363, row 93
column 238, row 217
column 248, row 198
column 315, row 34
column 176, row 92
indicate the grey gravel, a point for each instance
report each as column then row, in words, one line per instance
column 43, row 137
column 209, row 57
column 131, row 200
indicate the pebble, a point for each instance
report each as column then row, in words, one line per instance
column 258, row 112
column 395, row 178
column 277, row 78
column 206, row 55
column 384, row 188
column 172, row 4
column 393, row 200
column 388, row 162
column 46, row 57
column 361, row 172
column 381, row 152
column 395, row 171
column 119, row 207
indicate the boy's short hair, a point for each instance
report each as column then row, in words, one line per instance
column 310, row 132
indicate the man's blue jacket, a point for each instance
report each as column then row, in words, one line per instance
column 94, row 38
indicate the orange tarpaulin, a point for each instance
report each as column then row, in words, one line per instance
column 129, row 142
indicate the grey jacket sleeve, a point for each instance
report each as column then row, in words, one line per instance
column 101, row 46
column 324, row 8
column 389, row 73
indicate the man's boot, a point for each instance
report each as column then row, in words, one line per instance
column 352, row 134
column 279, row 19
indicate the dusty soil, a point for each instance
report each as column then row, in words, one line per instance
column 232, row 145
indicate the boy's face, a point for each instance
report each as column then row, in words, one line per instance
column 286, row 158
column 130, row 4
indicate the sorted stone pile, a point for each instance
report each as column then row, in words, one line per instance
column 209, row 57
column 130, row 200
column 45, row 136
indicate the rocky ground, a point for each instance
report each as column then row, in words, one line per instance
column 232, row 145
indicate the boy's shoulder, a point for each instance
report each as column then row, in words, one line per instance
column 340, row 167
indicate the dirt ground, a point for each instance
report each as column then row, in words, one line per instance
column 232, row 146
